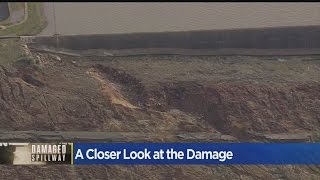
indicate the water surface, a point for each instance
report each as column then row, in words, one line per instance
column 103, row 18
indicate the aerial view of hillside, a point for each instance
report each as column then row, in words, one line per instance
column 160, row 72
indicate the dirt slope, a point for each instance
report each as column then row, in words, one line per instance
column 238, row 96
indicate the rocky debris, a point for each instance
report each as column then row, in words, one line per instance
column 26, row 49
column 56, row 57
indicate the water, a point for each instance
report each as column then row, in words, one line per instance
column 4, row 11
column 104, row 18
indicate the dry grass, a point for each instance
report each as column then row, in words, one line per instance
column 35, row 22
column 10, row 51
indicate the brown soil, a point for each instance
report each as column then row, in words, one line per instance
column 238, row 96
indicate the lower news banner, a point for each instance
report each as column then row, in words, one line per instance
column 159, row 153
column 197, row 153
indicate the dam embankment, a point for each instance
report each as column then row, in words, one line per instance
column 255, row 41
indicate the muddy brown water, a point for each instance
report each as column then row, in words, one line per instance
column 104, row 18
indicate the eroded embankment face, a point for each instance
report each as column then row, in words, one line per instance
column 238, row 107
column 232, row 95
column 61, row 95
column 239, row 96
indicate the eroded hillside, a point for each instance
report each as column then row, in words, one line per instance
column 231, row 95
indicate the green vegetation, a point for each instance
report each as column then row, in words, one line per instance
column 27, row 61
column 10, row 51
column 13, row 7
column 16, row 6
column 35, row 22
column 24, row 61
